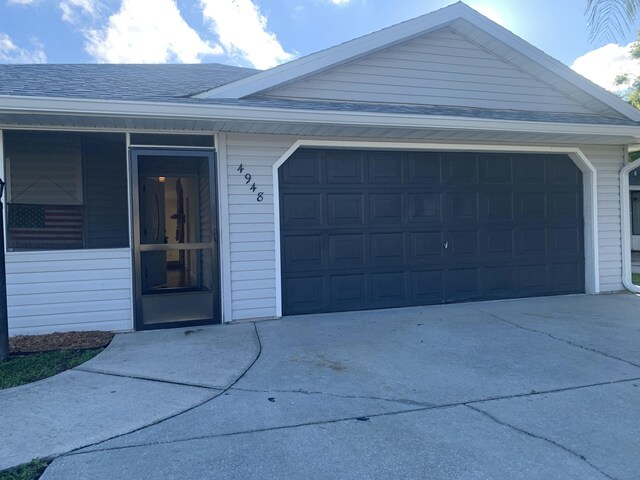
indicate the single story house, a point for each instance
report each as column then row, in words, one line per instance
column 439, row 160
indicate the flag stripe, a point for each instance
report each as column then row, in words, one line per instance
column 45, row 226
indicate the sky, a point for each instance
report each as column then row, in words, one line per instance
column 264, row 33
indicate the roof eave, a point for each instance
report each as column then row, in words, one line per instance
column 102, row 108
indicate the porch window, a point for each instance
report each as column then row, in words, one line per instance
column 66, row 190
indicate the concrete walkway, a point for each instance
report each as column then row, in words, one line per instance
column 522, row 389
column 140, row 379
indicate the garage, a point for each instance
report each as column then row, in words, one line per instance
column 368, row 229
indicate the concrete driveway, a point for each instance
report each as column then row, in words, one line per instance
column 535, row 388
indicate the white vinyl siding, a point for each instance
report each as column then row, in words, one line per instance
column 69, row 290
column 440, row 68
column 608, row 161
column 251, row 224
column 252, row 229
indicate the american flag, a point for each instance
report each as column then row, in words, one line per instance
column 45, row 226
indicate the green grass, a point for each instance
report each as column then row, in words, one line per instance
column 28, row 471
column 21, row 369
column 635, row 278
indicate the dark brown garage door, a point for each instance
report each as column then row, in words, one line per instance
column 378, row 229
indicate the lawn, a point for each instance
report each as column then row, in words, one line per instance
column 21, row 369
column 635, row 278
column 28, row 471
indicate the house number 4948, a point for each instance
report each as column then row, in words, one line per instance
column 253, row 188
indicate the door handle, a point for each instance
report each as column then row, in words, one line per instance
column 446, row 245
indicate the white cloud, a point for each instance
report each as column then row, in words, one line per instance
column 243, row 33
column 12, row 53
column 74, row 11
column 340, row 2
column 147, row 32
column 22, row 2
column 602, row 65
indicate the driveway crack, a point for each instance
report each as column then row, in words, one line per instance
column 540, row 437
column 568, row 342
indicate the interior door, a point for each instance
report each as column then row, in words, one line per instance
column 175, row 237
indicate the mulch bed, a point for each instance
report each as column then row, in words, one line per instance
column 58, row 341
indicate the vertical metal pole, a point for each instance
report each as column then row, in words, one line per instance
column 4, row 321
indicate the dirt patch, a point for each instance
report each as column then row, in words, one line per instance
column 58, row 341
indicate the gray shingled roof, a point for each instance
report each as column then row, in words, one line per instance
column 159, row 82
column 179, row 82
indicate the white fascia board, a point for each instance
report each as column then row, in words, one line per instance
column 550, row 63
column 333, row 56
column 108, row 108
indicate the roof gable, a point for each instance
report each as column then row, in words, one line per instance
column 439, row 68
column 577, row 92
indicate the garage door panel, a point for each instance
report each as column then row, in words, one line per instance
column 565, row 277
column 530, row 170
column 348, row 291
column 345, row 209
column 304, row 168
column 424, row 168
column 344, row 167
column 496, row 206
column 562, row 171
column 426, row 248
column 385, row 168
column 302, row 252
column 497, row 244
column 388, row 229
column 463, row 284
column 346, row 250
column 424, row 208
column 496, row 169
column 461, row 169
column 462, row 207
column 388, row 289
column 385, row 208
column 532, row 279
column 303, row 294
column 427, row 287
column 498, row 281
column 387, row 248
column 563, row 241
column 531, row 242
column 302, row 210
column 463, row 246
column 530, row 206
column 563, row 206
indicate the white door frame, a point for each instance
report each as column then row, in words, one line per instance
column 625, row 221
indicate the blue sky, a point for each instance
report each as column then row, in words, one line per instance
column 262, row 33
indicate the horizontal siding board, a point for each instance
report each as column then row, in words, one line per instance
column 62, row 298
column 63, row 290
column 246, row 314
column 433, row 69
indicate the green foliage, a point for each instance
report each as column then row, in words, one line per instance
column 609, row 19
column 22, row 369
column 28, row 471
column 635, row 278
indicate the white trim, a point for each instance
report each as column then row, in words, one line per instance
column 222, row 113
column 130, row 213
column 625, row 221
column 590, row 193
column 224, row 237
column 368, row 44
